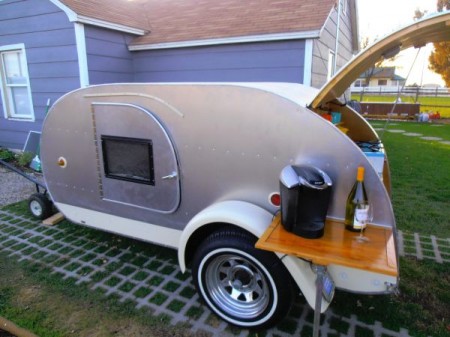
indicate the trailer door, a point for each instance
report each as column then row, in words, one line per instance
column 137, row 162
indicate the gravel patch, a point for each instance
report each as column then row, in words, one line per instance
column 14, row 188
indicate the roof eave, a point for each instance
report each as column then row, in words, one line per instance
column 110, row 25
column 75, row 17
column 312, row 34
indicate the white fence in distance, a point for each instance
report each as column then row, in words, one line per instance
column 389, row 90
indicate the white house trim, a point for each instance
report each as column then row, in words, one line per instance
column 82, row 54
column 110, row 25
column 70, row 13
column 307, row 66
column 74, row 17
column 229, row 40
column 331, row 62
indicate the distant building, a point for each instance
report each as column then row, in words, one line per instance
column 379, row 77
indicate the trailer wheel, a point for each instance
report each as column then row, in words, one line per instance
column 245, row 286
column 40, row 206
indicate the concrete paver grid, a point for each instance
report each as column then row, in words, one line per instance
column 156, row 283
column 424, row 247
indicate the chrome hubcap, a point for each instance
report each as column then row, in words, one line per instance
column 237, row 286
column 36, row 208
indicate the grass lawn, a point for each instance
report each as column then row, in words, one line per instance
column 39, row 301
column 420, row 172
column 428, row 103
column 420, row 177
column 35, row 298
column 421, row 307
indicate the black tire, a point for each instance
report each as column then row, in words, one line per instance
column 40, row 206
column 245, row 286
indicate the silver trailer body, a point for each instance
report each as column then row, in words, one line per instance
column 207, row 147
column 209, row 150
column 171, row 163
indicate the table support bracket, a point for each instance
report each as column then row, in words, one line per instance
column 321, row 271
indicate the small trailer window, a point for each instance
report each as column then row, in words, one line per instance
column 129, row 159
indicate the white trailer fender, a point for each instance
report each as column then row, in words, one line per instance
column 255, row 220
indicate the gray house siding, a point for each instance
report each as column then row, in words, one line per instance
column 281, row 61
column 109, row 59
column 327, row 42
column 51, row 53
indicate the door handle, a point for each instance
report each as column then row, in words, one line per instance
column 170, row 176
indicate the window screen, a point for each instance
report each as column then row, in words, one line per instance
column 129, row 159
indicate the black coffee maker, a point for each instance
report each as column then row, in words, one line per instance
column 305, row 195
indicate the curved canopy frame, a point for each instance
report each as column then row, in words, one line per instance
column 432, row 29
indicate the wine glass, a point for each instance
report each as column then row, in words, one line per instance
column 363, row 216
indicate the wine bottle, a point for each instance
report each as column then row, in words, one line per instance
column 357, row 204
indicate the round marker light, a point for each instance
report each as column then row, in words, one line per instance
column 275, row 199
column 62, row 162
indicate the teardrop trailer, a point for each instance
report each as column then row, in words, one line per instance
column 196, row 167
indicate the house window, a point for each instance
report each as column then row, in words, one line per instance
column 360, row 83
column 331, row 61
column 382, row 82
column 15, row 84
column 129, row 159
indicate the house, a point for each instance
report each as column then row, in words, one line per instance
column 50, row 47
column 380, row 77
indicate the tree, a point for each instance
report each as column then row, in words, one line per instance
column 439, row 58
column 418, row 14
column 441, row 4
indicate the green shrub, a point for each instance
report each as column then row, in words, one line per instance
column 6, row 154
column 25, row 158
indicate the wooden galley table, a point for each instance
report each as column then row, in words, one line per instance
column 337, row 246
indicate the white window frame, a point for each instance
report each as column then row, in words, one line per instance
column 344, row 7
column 6, row 92
column 330, row 69
column 358, row 83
